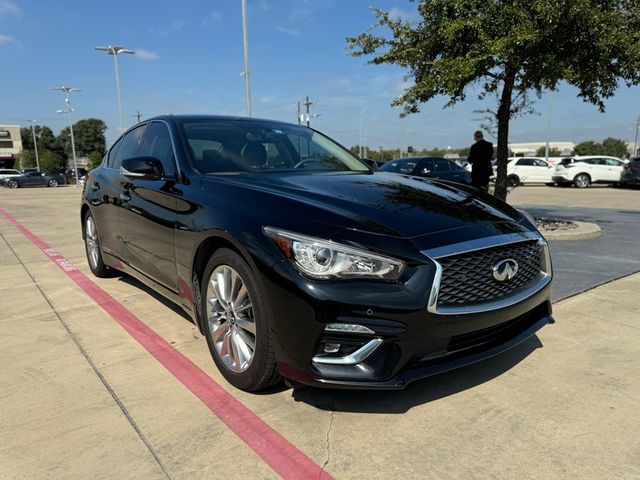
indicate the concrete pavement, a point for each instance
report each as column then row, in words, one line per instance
column 80, row 398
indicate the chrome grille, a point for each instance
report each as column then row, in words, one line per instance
column 467, row 278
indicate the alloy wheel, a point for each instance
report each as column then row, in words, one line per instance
column 582, row 181
column 53, row 183
column 91, row 237
column 231, row 319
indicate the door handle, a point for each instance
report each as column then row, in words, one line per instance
column 124, row 196
column 95, row 187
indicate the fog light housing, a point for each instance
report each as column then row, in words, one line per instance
column 331, row 347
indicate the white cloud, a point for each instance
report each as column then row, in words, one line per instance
column 8, row 40
column 175, row 26
column 294, row 32
column 396, row 12
column 146, row 54
column 213, row 17
column 9, row 7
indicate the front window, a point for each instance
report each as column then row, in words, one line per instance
column 226, row 146
column 400, row 166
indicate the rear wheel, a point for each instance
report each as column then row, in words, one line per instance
column 52, row 183
column 92, row 248
column 237, row 322
column 513, row 181
column 13, row 184
column 582, row 180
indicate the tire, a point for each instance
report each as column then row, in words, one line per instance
column 52, row 183
column 230, row 332
column 13, row 184
column 92, row 248
column 582, row 180
column 513, row 181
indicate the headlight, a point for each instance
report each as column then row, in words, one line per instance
column 324, row 259
column 528, row 216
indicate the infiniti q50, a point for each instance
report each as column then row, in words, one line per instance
column 296, row 260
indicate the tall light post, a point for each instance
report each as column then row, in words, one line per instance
column 115, row 51
column 635, row 142
column 35, row 143
column 546, row 147
column 68, row 111
column 245, row 41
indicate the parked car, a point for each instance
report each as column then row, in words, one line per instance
column 630, row 175
column 35, row 179
column 585, row 170
column 8, row 173
column 70, row 174
column 371, row 162
column 524, row 170
column 429, row 167
column 295, row 259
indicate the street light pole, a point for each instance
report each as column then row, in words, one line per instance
column 245, row 40
column 35, row 143
column 635, row 142
column 115, row 51
column 68, row 111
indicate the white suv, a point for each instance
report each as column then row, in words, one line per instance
column 8, row 173
column 585, row 170
column 522, row 170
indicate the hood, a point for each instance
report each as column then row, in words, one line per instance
column 382, row 203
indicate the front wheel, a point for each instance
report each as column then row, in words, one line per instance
column 13, row 184
column 52, row 183
column 237, row 322
column 582, row 180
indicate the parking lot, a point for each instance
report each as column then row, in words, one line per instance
column 103, row 378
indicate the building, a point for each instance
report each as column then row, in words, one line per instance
column 10, row 145
column 530, row 149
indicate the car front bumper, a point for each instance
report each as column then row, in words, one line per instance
column 406, row 342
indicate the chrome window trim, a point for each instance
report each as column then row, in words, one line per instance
column 354, row 358
column 480, row 244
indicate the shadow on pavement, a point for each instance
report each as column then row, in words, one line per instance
column 419, row 392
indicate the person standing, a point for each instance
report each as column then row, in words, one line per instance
column 480, row 155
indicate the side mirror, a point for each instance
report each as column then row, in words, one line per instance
column 143, row 168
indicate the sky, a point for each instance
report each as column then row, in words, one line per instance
column 189, row 59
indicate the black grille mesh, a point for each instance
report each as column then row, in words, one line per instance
column 467, row 278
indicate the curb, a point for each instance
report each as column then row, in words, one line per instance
column 585, row 231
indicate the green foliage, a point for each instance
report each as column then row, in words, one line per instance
column 88, row 135
column 51, row 161
column 95, row 158
column 508, row 48
column 611, row 146
column 26, row 159
column 553, row 152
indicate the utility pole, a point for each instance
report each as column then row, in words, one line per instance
column 68, row 111
column 35, row 143
column 299, row 116
column 635, row 142
column 138, row 116
column 308, row 104
column 245, row 41
column 115, row 51
column 546, row 148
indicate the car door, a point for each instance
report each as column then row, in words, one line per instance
column 543, row 171
column 426, row 168
column 613, row 169
column 147, row 212
column 33, row 178
column 526, row 170
column 597, row 169
column 105, row 186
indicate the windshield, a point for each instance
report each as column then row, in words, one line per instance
column 230, row 145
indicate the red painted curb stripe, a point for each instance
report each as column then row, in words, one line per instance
column 282, row 456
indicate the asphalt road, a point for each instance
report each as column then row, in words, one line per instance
column 582, row 264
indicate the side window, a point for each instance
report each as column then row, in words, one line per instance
column 128, row 146
column 540, row 163
column 612, row 162
column 111, row 154
column 157, row 143
column 442, row 165
column 426, row 166
column 525, row 162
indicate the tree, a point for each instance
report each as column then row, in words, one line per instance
column 51, row 161
column 44, row 136
column 88, row 135
column 553, row 152
column 27, row 158
column 95, row 158
column 508, row 49
column 610, row 146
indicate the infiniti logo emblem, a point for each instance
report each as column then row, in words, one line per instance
column 505, row 270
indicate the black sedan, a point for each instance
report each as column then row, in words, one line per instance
column 296, row 260
column 35, row 179
column 428, row 167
